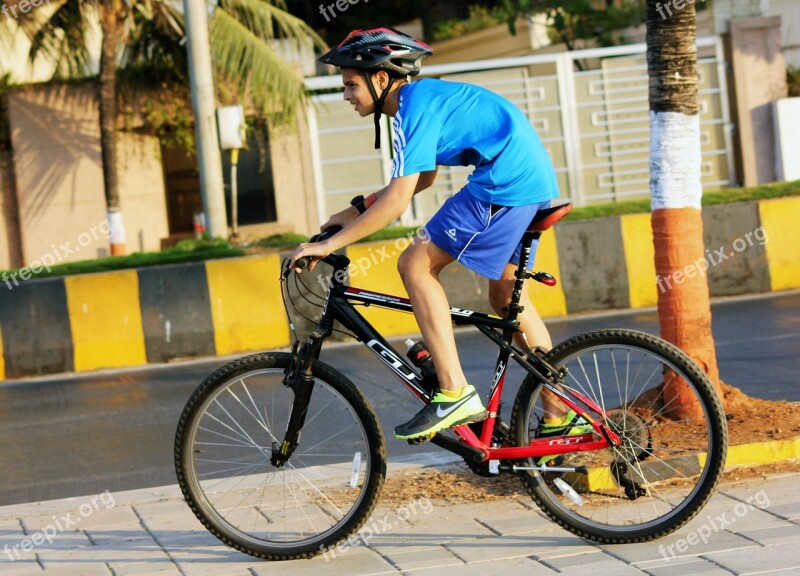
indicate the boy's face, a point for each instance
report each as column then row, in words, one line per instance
column 357, row 93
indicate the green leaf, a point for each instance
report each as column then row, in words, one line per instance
column 61, row 37
column 243, row 33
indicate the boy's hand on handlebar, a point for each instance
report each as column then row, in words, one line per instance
column 307, row 254
column 314, row 250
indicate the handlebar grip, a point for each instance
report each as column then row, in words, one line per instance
column 302, row 263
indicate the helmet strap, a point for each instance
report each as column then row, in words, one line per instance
column 379, row 102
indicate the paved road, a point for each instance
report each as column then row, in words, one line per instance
column 85, row 434
column 746, row 528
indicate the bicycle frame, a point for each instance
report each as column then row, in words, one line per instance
column 339, row 306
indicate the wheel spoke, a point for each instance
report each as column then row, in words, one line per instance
column 664, row 464
column 305, row 501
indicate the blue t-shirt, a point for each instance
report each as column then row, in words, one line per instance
column 441, row 123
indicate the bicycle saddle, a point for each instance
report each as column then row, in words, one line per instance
column 549, row 216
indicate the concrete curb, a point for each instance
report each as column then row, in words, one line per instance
column 739, row 456
column 135, row 317
column 759, row 453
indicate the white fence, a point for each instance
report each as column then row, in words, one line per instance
column 590, row 108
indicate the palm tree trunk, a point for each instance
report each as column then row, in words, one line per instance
column 110, row 15
column 684, row 307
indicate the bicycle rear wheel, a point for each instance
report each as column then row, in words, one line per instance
column 323, row 494
column 673, row 430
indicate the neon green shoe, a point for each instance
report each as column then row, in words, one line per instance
column 443, row 412
column 572, row 425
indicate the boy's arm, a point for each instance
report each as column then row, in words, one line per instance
column 389, row 206
column 426, row 180
column 343, row 218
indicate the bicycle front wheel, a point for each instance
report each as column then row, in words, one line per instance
column 672, row 427
column 323, row 494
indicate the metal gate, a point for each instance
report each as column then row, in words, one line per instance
column 590, row 108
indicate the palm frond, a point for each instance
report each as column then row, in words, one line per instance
column 153, row 40
column 247, row 60
column 8, row 30
column 269, row 20
column 61, row 37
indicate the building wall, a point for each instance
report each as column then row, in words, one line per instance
column 494, row 42
column 726, row 10
column 142, row 191
column 759, row 71
column 293, row 178
column 789, row 11
column 55, row 138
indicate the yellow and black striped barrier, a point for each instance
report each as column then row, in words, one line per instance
column 220, row 307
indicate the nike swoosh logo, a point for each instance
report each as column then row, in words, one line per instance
column 442, row 413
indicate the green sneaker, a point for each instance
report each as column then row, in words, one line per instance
column 443, row 412
column 573, row 425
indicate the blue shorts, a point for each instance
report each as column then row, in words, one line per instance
column 485, row 242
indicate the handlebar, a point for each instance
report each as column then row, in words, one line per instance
column 303, row 262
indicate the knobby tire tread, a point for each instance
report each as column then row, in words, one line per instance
column 351, row 394
column 533, row 483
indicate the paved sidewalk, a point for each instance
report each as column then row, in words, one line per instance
column 153, row 533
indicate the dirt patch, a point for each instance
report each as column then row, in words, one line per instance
column 458, row 485
column 755, row 420
column 749, row 420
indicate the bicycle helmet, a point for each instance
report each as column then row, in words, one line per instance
column 374, row 49
column 380, row 48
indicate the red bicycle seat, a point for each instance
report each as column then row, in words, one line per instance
column 549, row 216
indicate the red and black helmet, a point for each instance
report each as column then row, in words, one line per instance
column 380, row 48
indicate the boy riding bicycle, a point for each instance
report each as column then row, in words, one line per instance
column 438, row 123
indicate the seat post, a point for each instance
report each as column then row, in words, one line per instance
column 521, row 274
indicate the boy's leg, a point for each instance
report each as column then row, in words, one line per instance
column 530, row 324
column 559, row 420
column 457, row 402
column 419, row 268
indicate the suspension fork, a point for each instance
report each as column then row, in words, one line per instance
column 299, row 377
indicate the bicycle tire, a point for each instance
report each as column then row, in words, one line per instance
column 555, row 502
column 261, row 372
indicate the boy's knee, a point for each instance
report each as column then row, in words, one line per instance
column 404, row 267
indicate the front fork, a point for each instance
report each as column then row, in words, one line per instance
column 299, row 377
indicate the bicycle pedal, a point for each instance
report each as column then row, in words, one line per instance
column 420, row 440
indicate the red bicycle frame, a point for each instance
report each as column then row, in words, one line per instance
column 339, row 307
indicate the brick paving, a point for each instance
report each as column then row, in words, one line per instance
column 152, row 532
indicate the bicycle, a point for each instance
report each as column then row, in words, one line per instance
column 262, row 488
